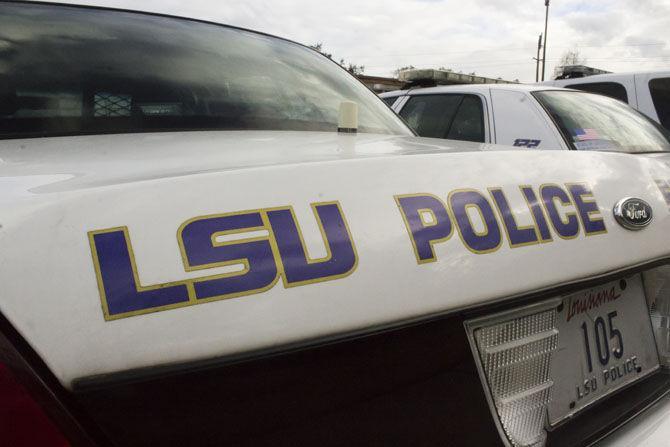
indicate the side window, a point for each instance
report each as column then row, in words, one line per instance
column 611, row 89
column 521, row 121
column 431, row 115
column 468, row 125
column 389, row 100
column 660, row 94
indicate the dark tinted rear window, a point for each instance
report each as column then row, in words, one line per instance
column 452, row 116
column 660, row 94
column 611, row 89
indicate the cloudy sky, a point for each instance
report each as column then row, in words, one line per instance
column 493, row 38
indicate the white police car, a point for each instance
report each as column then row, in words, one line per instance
column 531, row 116
column 211, row 236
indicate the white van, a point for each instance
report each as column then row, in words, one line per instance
column 648, row 92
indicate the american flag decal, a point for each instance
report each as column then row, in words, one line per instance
column 586, row 134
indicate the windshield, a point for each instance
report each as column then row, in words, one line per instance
column 596, row 122
column 71, row 70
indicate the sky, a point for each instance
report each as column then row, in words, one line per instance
column 493, row 38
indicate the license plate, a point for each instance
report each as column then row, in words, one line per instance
column 605, row 343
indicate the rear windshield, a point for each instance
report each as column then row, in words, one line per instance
column 596, row 122
column 70, row 70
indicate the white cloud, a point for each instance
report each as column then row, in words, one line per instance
column 490, row 37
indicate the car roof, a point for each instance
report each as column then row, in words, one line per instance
column 469, row 88
column 605, row 77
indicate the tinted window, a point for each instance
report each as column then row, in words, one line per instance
column 390, row 100
column 611, row 89
column 431, row 115
column 595, row 122
column 70, row 70
column 458, row 117
column 468, row 124
column 660, row 94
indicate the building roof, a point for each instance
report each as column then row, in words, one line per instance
column 381, row 84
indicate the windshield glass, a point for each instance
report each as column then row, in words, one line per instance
column 70, row 70
column 596, row 122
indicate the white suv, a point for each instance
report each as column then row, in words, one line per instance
column 648, row 92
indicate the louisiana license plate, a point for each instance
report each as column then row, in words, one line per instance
column 605, row 343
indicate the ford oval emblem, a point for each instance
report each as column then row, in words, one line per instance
column 633, row 214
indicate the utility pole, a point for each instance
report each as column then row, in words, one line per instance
column 537, row 59
column 544, row 50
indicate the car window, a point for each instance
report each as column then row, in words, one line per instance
column 611, row 89
column 390, row 100
column 596, row 122
column 468, row 124
column 70, row 70
column 431, row 115
column 660, row 94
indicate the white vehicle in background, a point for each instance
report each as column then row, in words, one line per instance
column 532, row 116
column 198, row 247
column 648, row 92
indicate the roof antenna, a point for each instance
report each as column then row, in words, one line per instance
column 348, row 122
